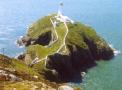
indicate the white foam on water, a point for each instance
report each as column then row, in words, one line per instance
column 116, row 52
column 20, row 46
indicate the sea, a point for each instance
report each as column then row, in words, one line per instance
column 105, row 16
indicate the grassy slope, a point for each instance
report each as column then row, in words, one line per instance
column 44, row 51
column 75, row 36
column 24, row 72
column 21, row 70
column 41, row 26
column 40, row 50
column 77, row 33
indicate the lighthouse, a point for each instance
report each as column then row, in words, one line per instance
column 61, row 17
column 60, row 9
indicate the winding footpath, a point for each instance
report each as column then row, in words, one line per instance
column 64, row 44
column 54, row 26
column 63, row 19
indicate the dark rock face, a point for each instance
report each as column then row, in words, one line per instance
column 79, row 59
column 61, row 63
column 21, row 57
column 84, row 47
column 43, row 39
column 71, row 65
column 105, row 53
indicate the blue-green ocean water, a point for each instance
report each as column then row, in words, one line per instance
column 103, row 15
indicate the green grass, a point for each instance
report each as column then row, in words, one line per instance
column 76, row 35
column 41, row 26
column 24, row 72
column 20, row 68
column 42, row 51
column 79, row 31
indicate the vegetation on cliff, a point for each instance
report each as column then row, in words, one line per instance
column 14, row 74
column 59, row 51
column 83, row 47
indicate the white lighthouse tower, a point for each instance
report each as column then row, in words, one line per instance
column 60, row 9
column 60, row 15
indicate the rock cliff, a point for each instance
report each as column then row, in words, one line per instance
column 83, row 46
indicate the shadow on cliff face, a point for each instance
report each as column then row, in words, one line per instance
column 84, row 48
column 81, row 56
column 72, row 67
column 44, row 39
column 103, row 53
column 67, row 68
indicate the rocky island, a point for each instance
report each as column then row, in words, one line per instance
column 57, row 50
